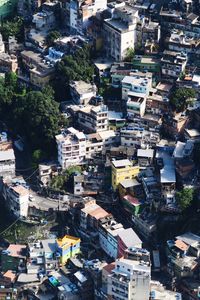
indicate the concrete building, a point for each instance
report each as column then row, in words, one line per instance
column 123, row 169
column 39, row 72
column 93, row 118
column 120, row 31
column 158, row 291
column 173, row 64
column 127, row 239
column 17, row 200
column 136, row 86
column 167, row 176
column 71, row 145
column 82, row 92
column 108, row 235
column 91, row 214
column 7, row 157
column 80, row 11
column 42, row 257
column 68, row 247
column 136, row 136
column 74, row 146
column 129, row 280
column 136, row 106
column 44, row 20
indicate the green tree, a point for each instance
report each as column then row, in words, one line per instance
column 130, row 53
column 51, row 37
column 185, row 197
column 41, row 116
column 73, row 67
column 181, row 97
column 13, row 28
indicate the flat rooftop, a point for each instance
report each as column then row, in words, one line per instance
column 82, row 87
column 122, row 163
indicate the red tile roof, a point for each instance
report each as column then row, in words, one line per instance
column 132, row 200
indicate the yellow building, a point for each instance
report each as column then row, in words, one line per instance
column 122, row 169
column 68, row 247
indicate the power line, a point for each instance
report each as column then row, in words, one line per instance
column 21, row 170
column 9, row 226
column 31, row 174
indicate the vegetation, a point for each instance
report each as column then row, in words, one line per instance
column 61, row 182
column 13, row 28
column 130, row 53
column 185, row 197
column 181, row 97
column 51, row 37
column 33, row 114
column 77, row 66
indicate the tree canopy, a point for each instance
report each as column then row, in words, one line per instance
column 130, row 53
column 76, row 66
column 180, row 98
column 13, row 28
column 33, row 114
column 185, row 197
column 51, row 37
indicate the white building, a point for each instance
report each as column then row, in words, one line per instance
column 158, row 291
column 120, row 31
column 71, row 146
column 137, row 136
column 108, row 233
column 136, row 106
column 17, row 199
column 44, row 20
column 74, row 146
column 93, row 118
column 7, row 157
column 129, row 280
column 80, row 11
column 136, row 86
column 82, row 92
column 173, row 64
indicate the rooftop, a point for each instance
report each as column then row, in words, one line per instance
column 16, row 250
column 127, row 183
column 82, row 87
column 67, row 241
column 7, row 154
column 132, row 200
column 129, row 237
column 20, row 190
column 49, row 245
column 10, row 274
column 149, row 153
column 122, row 163
column 189, row 238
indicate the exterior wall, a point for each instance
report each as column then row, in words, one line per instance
column 7, row 167
column 71, row 153
column 135, row 282
column 17, row 204
column 40, row 80
column 119, row 42
column 126, row 88
column 136, row 108
column 119, row 174
column 109, row 244
column 68, row 248
column 94, row 122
